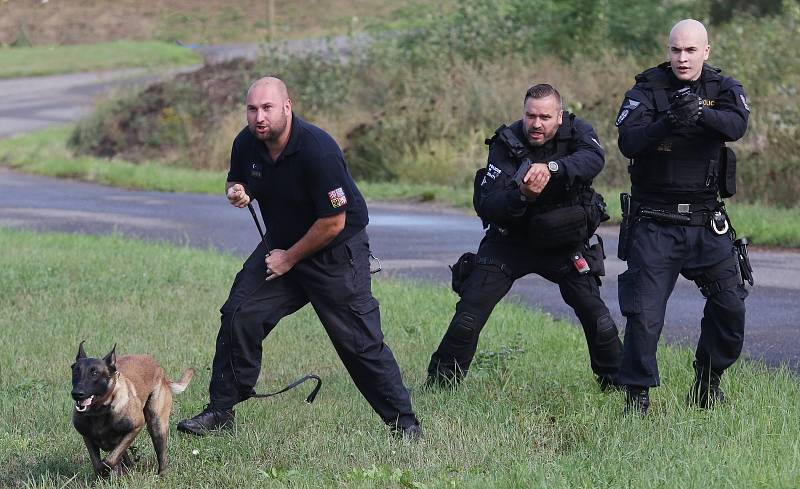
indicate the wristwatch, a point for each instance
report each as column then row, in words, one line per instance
column 552, row 166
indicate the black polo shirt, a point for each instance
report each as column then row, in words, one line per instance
column 309, row 180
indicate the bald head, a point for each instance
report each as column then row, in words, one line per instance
column 688, row 49
column 689, row 27
column 269, row 111
column 270, row 83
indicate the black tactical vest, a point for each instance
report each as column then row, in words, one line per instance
column 683, row 166
column 561, row 146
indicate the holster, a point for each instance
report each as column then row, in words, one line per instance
column 726, row 180
column 743, row 261
column 624, row 226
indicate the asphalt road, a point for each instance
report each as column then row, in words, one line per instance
column 412, row 241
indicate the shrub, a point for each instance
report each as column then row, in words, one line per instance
column 415, row 105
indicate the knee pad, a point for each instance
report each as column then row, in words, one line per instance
column 464, row 325
column 606, row 331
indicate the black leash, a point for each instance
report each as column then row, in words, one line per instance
column 261, row 233
column 297, row 382
column 294, row 384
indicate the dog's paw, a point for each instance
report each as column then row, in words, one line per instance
column 104, row 470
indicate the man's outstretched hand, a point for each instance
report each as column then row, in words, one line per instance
column 237, row 196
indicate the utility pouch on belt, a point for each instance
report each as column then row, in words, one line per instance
column 726, row 180
column 595, row 255
column 559, row 227
column 462, row 268
column 595, row 207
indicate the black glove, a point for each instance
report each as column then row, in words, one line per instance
column 685, row 108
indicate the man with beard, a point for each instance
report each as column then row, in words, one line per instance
column 673, row 125
column 316, row 219
column 536, row 201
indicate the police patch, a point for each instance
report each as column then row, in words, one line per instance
column 744, row 101
column 492, row 171
column 337, row 197
column 631, row 104
column 622, row 116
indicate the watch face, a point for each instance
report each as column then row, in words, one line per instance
column 552, row 166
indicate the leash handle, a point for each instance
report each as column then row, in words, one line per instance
column 294, row 384
column 261, row 233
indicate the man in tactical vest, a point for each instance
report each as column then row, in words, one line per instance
column 673, row 125
column 536, row 201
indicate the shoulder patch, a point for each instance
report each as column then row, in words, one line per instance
column 744, row 102
column 631, row 104
column 627, row 107
column 492, row 172
column 621, row 117
column 337, row 197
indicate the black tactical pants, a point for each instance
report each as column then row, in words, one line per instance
column 658, row 253
column 337, row 283
column 489, row 283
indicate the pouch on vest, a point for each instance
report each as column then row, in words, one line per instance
column 462, row 269
column 595, row 206
column 559, row 227
column 726, row 180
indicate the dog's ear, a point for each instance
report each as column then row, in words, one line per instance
column 81, row 353
column 111, row 358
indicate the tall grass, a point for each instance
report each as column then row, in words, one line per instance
column 414, row 105
column 529, row 415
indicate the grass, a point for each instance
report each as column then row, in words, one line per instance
column 194, row 21
column 50, row 60
column 527, row 416
column 45, row 152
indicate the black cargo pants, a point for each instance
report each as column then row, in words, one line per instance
column 658, row 252
column 488, row 283
column 337, row 283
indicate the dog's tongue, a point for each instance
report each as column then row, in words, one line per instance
column 84, row 404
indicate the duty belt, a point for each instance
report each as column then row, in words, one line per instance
column 697, row 218
column 683, row 214
column 711, row 214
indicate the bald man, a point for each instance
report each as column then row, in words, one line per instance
column 673, row 125
column 319, row 253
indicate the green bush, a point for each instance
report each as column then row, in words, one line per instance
column 416, row 103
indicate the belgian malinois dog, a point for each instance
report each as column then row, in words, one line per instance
column 114, row 398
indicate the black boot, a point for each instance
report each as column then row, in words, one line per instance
column 411, row 433
column 440, row 376
column 705, row 391
column 208, row 421
column 608, row 384
column 637, row 400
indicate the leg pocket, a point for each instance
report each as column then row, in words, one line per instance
column 630, row 302
column 367, row 332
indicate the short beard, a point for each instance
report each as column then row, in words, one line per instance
column 536, row 143
column 272, row 134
